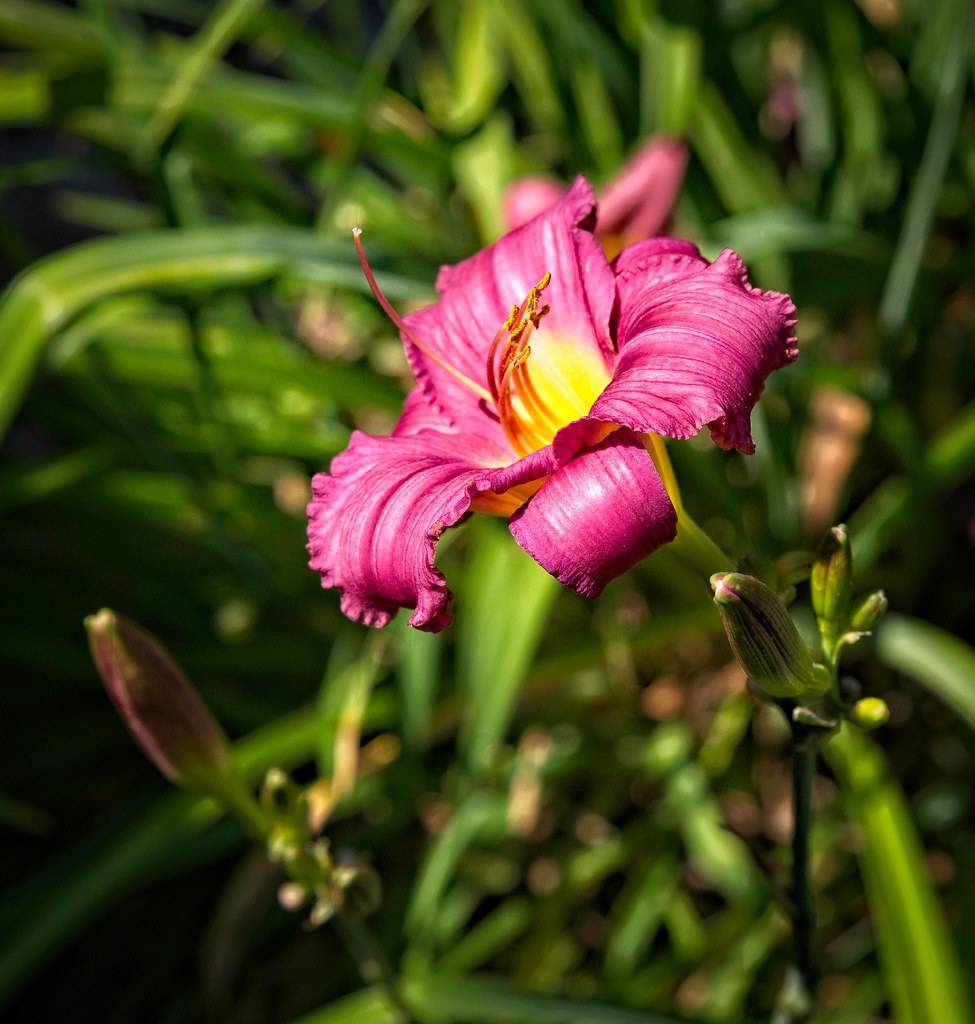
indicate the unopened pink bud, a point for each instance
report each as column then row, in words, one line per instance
column 158, row 704
column 528, row 197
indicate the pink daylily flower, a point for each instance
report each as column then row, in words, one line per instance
column 544, row 375
column 635, row 205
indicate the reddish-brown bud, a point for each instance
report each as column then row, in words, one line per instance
column 158, row 704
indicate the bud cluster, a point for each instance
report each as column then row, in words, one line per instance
column 841, row 619
column 178, row 733
column 768, row 645
column 317, row 879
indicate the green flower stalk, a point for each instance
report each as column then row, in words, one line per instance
column 159, row 706
column 765, row 639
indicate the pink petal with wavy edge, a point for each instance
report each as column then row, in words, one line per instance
column 528, row 197
column 477, row 296
column 638, row 202
column 598, row 515
column 374, row 520
column 696, row 345
column 654, row 262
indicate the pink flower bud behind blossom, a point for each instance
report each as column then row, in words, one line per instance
column 158, row 704
column 528, row 197
column 638, row 202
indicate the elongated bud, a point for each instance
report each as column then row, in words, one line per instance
column 764, row 637
column 158, row 704
column 868, row 612
column 870, row 713
column 832, row 575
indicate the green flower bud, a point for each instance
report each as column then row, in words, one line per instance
column 764, row 637
column 870, row 713
column 868, row 612
column 174, row 728
column 832, row 575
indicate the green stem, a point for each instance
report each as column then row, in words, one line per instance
column 237, row 799
column 692, row 543
column 804, row 909
column 363, row 946
column 697, row 548
column 370, row 959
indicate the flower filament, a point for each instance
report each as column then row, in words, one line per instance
column 526, row 419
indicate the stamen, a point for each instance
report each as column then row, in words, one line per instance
column 494, row 373
column 388, row 309
column 530, row 426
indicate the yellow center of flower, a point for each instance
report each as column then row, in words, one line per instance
column 540, row 380
column 531, row 409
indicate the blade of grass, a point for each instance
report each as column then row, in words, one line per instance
column 395, row 27
column 483, row 167
column 637, row 914
column 478, row 73
column 508, row 599
column 925, row 192
column 921, row 967
column 531, row 66
column 370, row 1006
column 597, row 117
column 480, row 816
column 492, row 934
column 53, row 291
column 205, row 49
column 483, row 999
column 892, row 507
column 939, row 661
column 418, row 668
column 35, row 24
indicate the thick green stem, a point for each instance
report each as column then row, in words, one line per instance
column 697, row 548
column 691, row 543
column 804, row 909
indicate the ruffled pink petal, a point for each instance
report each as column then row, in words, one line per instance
column 374, row 520
column 647, row 265
column 598, row 515
column 477, row 296
column 638, row 202
column 528, row 197
column 696, row 345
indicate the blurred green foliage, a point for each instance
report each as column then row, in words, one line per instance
column 584, row 817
